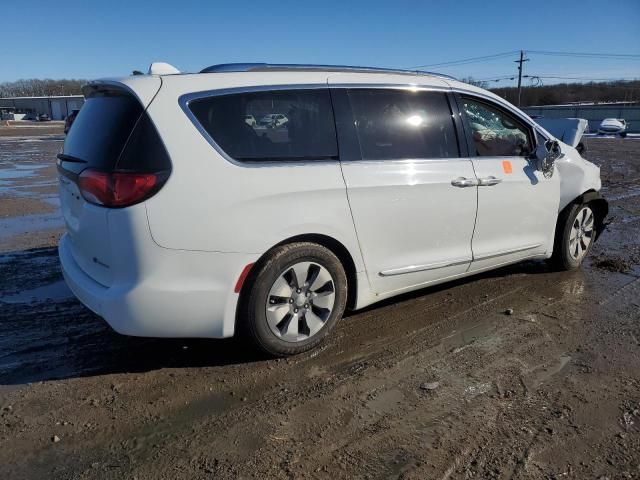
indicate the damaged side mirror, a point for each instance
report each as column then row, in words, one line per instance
column 546, row 155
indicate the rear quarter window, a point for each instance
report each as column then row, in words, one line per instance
column 282, row 125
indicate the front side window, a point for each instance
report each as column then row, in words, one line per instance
column 397, row 124
column 271, row 125
column 494, row 132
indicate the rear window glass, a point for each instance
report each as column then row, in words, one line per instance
column 271, row 125
column 101, row 129
column 401, row 124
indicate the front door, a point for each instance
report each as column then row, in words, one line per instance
column 411, row 191
column 517, row 205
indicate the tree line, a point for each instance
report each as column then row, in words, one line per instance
column 36, row 87
column 561, row 93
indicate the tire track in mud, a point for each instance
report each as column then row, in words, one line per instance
column 628, row 294
column 341, row 373
column 367, row 373
column 343, row 378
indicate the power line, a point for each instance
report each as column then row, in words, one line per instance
column 486, row 58
column 513, row 77
column 611, row 79
column 616, row 56
column 465, row 61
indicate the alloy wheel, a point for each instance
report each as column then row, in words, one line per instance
column 581, row 234
column 300, row 301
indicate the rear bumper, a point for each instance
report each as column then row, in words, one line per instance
column 187, row 294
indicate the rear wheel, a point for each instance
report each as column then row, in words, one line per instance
column 296, row 296
column 575, row 235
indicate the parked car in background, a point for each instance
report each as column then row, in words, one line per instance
column 250, row 120
column 613, row 126
column 69, row 120
column 273, row 120
column 183, row 221
column 43, row 117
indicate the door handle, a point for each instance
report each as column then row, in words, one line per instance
column 464, row 182
column 489, row 181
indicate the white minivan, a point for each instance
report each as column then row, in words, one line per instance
column 185, row 220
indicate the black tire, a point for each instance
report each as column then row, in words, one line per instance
column 623, row 135
column 562, row 258
column 252, row 315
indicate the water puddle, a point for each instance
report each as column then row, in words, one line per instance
column 21, row 170
column 461, row 339
column 14, row 174
column 56, row 292
column 541, row 376
column 12, row 226
column 632, row 192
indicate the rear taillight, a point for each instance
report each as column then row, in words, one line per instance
column 118, row 189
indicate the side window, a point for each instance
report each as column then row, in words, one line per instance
column 495, row 133
column 396, row 124
column 270, row 125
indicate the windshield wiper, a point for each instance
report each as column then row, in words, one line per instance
column 70, row 158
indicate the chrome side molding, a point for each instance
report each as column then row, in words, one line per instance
column 507, row 252
column 421, row 268
column 452, row 263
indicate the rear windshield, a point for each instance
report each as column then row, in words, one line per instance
column 101, row 129
column 113, row 132
column 292, row 125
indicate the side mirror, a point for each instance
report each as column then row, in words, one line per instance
column 546, row 155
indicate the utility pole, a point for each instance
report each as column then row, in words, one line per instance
column 520, row 62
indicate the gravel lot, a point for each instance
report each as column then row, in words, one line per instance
column 433, row 385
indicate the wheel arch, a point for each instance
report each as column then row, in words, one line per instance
column 597, row 201
column 330, row 243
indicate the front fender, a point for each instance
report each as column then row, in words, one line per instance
column 577, row 176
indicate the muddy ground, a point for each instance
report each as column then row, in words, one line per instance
column 434, row 385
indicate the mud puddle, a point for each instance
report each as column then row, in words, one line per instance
column 13, row 226
column 54, row 292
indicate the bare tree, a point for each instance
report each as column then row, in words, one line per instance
column 35, row 87
column 472, row 81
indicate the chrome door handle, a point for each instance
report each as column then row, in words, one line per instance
column 489, row 181
column 464, row 182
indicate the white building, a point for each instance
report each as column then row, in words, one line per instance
column 28, row 108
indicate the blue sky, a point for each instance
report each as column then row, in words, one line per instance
column 81, row 39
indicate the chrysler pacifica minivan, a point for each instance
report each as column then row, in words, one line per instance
column 185, row 220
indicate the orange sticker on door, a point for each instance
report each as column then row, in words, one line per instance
column 506, row 166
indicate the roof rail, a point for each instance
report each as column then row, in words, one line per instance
column 283, row 67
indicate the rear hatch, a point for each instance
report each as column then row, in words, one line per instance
column 112, row 158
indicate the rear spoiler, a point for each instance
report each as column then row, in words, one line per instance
column 142, row 87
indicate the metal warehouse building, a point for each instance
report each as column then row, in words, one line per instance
column 594, row 113
column 28, row 108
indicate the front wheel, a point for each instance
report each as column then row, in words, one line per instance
column 296, row 296
column 575, row 235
